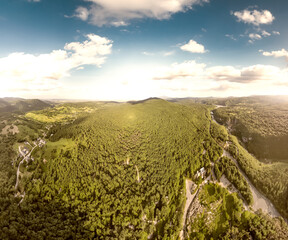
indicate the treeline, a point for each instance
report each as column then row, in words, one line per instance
column 228, row 167
column 218, row 132
column 271, row 179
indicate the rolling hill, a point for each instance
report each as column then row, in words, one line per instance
column 118, row 171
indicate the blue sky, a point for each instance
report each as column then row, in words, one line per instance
column 125, row 49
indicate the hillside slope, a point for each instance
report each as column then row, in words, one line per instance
column 112, row 171
column 18, row 105
column 260, row 123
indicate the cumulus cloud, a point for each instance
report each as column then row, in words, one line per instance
column 193, row 47
column 243, row 75
column 223, row 73
column 279, row 53
column 256, row 73
column 20, row 71
column 191, row 70
column 120, row 12
column 254, row 17
column 261, row 34
column 276, row 54
column 187, row 69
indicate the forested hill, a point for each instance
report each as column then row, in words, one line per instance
column 18, row 105
column 162, row 142
column 118, row 171
column 260, row 123
column 114, row 173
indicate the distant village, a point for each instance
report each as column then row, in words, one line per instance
column 24, row 151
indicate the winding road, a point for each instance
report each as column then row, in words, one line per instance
column 24, row 158
column 189, row 200
column 259, row 200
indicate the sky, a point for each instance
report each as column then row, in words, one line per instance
column 131, row 50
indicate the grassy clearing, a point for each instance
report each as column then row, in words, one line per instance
column 53, row 149
column 58, row 114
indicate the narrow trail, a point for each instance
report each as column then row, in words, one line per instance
column 138, row 176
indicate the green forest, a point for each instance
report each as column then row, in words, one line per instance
column 260, row 123
column 117, row 171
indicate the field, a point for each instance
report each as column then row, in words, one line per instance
column 58, row 114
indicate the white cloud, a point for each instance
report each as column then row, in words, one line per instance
column 225, row 73
column 194, row 47
column 254, row 17
column 187, row 69
column 191, row 70
column 258, row 36
column 196, row 79
column 34, row 0
column 257, row 73
column 231, row 37
column 82, row 13
column 120, row 12
column 276, row 54
column 21, row 71
column 265, row 34
column 243, row 75
column 167, row 54
column 255, row 36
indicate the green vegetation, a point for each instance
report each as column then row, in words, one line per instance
column 228, row 167
column 260, row 124
column 219, row 133
column 62, row 113
column 223, row 217
column 117, row 171
column 87, row 176
column 271, row 179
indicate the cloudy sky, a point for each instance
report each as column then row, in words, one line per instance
column 128, row 49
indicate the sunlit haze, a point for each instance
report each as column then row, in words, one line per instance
column 124, row 50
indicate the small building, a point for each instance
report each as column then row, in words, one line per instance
column 200, row 173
